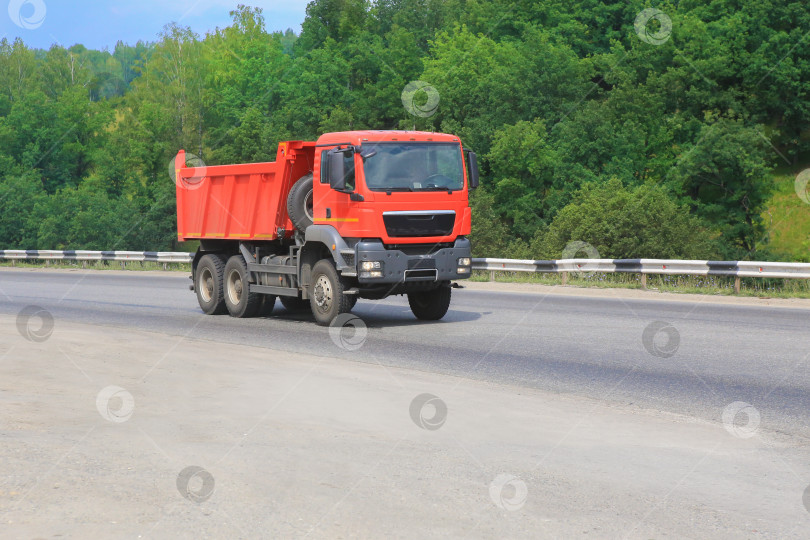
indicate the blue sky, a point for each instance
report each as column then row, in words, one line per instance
column 101, row 23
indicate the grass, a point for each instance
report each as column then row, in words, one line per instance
column 788, row 220
column 712, row 285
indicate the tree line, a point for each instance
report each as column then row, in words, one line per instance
column 644, row 131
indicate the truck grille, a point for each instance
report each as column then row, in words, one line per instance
column 409, row 224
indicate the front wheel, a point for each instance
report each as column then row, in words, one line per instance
column 430, row 305
column 326, row 296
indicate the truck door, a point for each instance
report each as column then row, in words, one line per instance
column 334, row 207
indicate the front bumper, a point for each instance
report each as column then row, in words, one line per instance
column 400, row 267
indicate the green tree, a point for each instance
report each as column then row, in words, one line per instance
column 84, row 216
column 554, row 96
column 19, row 195
column 522, row 162
column 331, row 19
column 485, row 84
column 246, row 66
column 726, row 177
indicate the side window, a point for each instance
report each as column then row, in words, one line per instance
column 324, row 178
column 348, row 165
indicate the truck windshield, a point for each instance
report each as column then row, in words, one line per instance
column 413, row 166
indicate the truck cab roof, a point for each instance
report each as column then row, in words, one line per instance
column 359, row 137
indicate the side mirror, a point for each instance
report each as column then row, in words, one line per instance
column 336, row 170
column 473, row 172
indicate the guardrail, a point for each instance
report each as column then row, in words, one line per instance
column 736, row 269
column 84, row 256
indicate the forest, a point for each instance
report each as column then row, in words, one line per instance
column 652, row 130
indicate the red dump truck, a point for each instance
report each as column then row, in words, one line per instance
column 358, row 214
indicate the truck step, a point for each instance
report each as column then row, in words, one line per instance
column 278, row 291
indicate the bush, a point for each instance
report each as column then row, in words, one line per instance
column 489, row 234
column 622, row 223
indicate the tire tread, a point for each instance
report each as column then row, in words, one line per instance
column 430, row 305
column 252, row 302
column 217, row 263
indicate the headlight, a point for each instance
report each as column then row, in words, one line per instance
column 375, row 274
column 368, row 266
column 463, row 270
column 464, row 261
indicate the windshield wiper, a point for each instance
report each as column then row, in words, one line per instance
column 438, row 188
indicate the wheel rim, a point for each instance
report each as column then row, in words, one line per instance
column 206, row 284
column 323, row 293
column 308, row 205
column 234, row 287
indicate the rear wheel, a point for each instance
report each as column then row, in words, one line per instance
column 238, row 298
column 268, row 303
column 208, row 282
column 295, row 304
column 430, row 305
column 326, row 296
column 299, row 203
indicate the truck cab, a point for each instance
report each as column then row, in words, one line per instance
column 399, row 202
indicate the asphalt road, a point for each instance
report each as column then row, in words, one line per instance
column 708, row 356
column 570, row 415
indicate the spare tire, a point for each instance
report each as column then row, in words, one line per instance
column 299, row 203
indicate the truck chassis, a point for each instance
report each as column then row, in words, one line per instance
column 245, row 278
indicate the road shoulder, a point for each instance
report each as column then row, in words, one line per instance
column 328, row 447
column 634, row 294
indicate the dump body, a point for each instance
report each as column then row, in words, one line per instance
column 239, row 202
